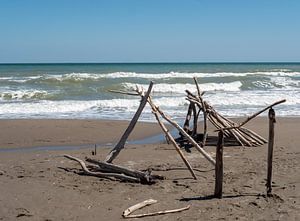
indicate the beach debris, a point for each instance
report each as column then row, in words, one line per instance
column 112, row 171
column 272, row 122
column 127, row 212
column 188, row 137
column 158, row 113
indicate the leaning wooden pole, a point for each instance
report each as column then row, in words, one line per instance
column 120, row 145
column 272, row 122
column 187, row 136
column 204, row 113
column 171, row 139
column 219, row 166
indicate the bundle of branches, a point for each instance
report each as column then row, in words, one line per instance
column 114, row 172
column 244, row 136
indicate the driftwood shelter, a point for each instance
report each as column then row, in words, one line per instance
column 188, row 136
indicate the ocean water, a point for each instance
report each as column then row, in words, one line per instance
column 80, row 91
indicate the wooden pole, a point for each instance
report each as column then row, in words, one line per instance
column 272, row 121
column 114, row 153
column 204, row 113
column 187, row 136
column 255, row 114
column 171, row 139
column 219, row 166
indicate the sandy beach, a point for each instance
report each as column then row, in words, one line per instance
column 42, row 185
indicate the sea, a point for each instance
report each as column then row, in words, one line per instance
column 81, row 90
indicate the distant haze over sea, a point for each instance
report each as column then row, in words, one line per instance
column 80, row 91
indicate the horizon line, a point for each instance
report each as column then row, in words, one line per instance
column 162, row 62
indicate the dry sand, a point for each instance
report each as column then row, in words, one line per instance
column 43, row 186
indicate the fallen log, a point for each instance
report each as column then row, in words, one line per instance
column 103, row 175
column 145, row 177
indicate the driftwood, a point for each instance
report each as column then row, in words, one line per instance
column 204, row 113
column 111, row 171
column 219, row 166
column 272, row 121
column 144, row 177
column 242, row 135
column 256, row 114
column 168, row 135
column 127, row 212
column 114, row 153
column 101, row 174
column 182, row 131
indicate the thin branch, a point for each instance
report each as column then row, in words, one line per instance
column 127, row 212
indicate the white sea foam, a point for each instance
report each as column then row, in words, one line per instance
column 22, row 94
column 180, row 88
column 170, row 75
column 189, row 75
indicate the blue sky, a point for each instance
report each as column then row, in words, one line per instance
column 149, row 30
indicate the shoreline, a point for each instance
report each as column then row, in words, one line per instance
column 42, row 185
column 22, row 133
column 73, row 134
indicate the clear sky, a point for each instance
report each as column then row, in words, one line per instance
column 149, row 30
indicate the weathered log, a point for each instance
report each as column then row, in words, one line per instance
column 272, row 121
column 144, row 177
column 103, row 175
column 127, row 212
column 114, row 153
column 219, row 166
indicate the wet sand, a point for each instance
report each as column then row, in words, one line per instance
column 42, row 185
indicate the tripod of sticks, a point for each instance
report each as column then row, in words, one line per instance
column 243, row 136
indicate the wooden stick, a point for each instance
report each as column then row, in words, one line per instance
column 171, row 139
column 102, row 175
column 188, row 118
column 272, row 121
column 127, row 212
column 204, row 113
column 195, row 115
column 219, row 166
column 140, row 205
column 255, row 114
column 124, row 92
column 114, row 153
column 195, row 144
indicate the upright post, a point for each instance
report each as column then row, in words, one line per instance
column 219, row 166
column 272, row 121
